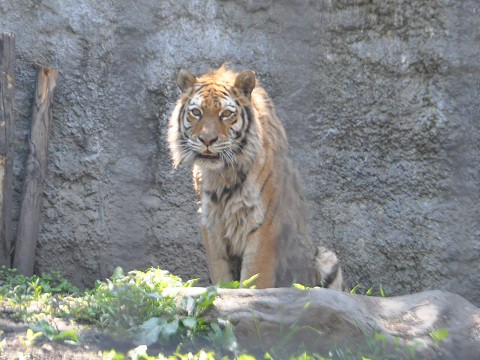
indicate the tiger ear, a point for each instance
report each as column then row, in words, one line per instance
column 185, row 79
column 246, row 81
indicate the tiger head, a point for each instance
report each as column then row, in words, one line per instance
column 212, row 122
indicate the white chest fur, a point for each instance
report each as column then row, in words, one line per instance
column 230, row 213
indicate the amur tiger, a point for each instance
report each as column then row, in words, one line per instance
column 252, row 202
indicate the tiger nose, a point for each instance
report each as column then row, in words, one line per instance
column 208, row 139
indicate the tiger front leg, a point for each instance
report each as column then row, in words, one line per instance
column 259, row 257
column 217, row 259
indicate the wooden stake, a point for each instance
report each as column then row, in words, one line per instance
column 7, row 94
column 27, row 234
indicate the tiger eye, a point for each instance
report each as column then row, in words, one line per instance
column 196, row 112
column 226, row 113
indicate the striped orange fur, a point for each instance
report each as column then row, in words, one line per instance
column 252, row 202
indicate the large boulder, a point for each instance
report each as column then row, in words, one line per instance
column 263, row 318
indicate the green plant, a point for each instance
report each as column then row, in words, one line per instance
column 371, row 291
column 247, row 284
column 439, row 335
column 30, row 338
column 34, row 286
column 300, row 286
column 140, row 353
column 52, row 333
column 135, row 306
column 36, row 297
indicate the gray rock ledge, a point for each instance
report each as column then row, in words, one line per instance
column 344, row 319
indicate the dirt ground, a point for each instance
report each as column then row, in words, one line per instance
column 91, row 344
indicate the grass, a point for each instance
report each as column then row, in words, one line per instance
column 134, row 307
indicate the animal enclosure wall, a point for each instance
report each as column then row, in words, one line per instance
column 379, row 100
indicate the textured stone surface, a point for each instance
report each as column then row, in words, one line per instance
column 349, row 320
column 379, row 100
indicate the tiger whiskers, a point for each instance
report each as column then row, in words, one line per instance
column 248, row 156
column 226, row 158
column 240, row 147
column 186, row 153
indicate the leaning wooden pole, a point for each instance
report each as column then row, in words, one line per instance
column 7, row 94
column 28, row 225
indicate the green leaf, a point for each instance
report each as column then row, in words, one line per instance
column 439, row 335
column 112, row 355
column 303, row 356
column 228, row 338
column 354, row 290
column 155, row 295
column 67, row 335
column 216, row 330
column 300, row 286
column 382, row 293
column 230, row 285
column 170, row 329
column 118, row 273
column 207, row 298
column 380, row 336
column 189, row 322
column 150, row 330
column 31, row 337
column 246, row 283
column 203, row 355
column 190, row 306
column 245, row 357
column 138, row 352
column 307, row 305
column 191, row 282
column 45, row 328
column 369, row 291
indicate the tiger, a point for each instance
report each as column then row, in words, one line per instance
column 252, row 204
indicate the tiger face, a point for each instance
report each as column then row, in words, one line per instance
column 214, row 118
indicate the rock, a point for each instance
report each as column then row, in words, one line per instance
column 47, row 347
column 348, row 320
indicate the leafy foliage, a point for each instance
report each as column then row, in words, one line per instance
column 439, row 335
column 140, row 353
column 128, row 306
column 43, row 328
column 371, row 291
column 16, row 287
column 142, row 307
column 34, row 298
column 246, row 284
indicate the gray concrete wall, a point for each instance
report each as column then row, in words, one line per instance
column 379, row 99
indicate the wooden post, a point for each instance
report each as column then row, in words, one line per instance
column 7, row 93
column 27, row 234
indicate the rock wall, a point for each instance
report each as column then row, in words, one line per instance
column 379, row 99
